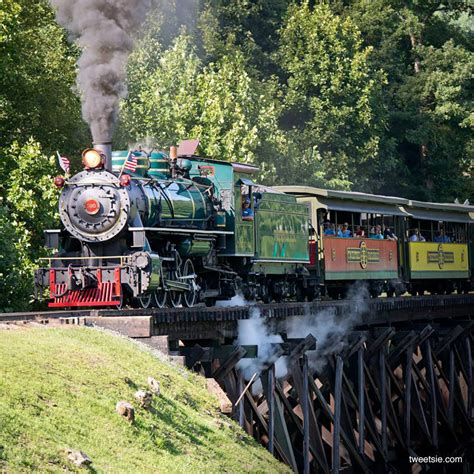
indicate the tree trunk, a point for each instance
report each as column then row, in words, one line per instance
column 414, row 44
column 423, row 150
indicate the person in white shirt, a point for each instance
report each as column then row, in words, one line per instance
column 415, row 236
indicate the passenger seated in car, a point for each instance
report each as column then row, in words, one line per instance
column 415, row 236
column 344, row 231
column 247, row 212
column 329, row 229
column 441, row 237
column 388, row 234
column 378, row 233
column 359, row 232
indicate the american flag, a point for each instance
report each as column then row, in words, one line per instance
column 64, row 163
column 131, row 163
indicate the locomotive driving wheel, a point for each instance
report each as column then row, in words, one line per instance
column 175, row 297
column 189, row 275
column 159, row 297
column 145, row 300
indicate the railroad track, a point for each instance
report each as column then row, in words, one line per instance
column 166, row 320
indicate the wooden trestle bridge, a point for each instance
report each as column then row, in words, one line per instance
column 402, row 385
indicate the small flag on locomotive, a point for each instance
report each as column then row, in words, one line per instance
column 64, row 163
column 131, row 163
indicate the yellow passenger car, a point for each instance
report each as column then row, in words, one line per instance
column 438, row 240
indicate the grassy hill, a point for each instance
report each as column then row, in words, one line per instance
column 58, row 391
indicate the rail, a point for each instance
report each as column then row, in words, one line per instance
column 374, row 311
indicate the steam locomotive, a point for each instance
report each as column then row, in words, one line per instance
column 171, row 232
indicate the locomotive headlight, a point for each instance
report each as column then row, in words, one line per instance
column 92, row 158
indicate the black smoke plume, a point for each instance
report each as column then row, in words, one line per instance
column 105, row 31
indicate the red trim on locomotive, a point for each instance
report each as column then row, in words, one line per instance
column 105, row 294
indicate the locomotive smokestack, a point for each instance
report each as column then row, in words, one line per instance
column 106, row 148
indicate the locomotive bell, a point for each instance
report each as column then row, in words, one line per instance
column 184, row 164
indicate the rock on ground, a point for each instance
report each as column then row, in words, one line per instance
column 79, row 458
column 154, row 386
column 144, row 398
column 126, row 410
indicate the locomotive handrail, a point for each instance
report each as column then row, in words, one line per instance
column 122, row 258
column 172, row 230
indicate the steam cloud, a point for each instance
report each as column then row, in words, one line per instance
column 329, row 329
column 104, row 29
column 254, row 331
column 237, row 300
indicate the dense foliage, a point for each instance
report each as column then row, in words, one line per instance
column 28, row 206
column 370, row 95
column 39, row 113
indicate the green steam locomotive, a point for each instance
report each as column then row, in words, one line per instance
column 152, row 229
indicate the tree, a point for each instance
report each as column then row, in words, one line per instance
column 237, row 112
column 28, row 206
column 37, row 75
column 251, row 26
column 162, row 92
column 426, row 49
column 37, row 104
column 10, row 279
column 442, row 104
column 178, row 97
column 332, row 110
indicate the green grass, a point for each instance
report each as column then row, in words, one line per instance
column 59, row 388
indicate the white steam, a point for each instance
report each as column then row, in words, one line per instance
column 105, row 31
column 330, row 330
column 254, row 331
column 237, row 300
